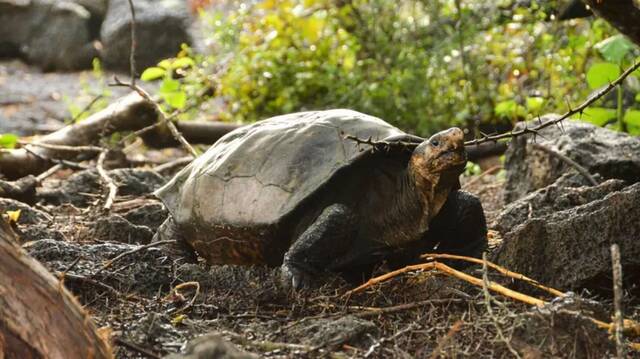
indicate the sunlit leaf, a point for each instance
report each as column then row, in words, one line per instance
column 534, row 104
column 152, row 73
column 632, row 117
column 601, row 74
column 510, row 109
column 182, row 62
column 178, row 319
column 165, row 64
column 175, row 99
column 169, row 85
column 599, row 116
column 8, row 140
column 614, row 48
column 13, row 216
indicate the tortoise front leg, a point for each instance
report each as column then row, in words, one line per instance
column 461, row 227
column 322, row 243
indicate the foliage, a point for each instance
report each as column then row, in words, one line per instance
column 8, row 140
column 421, row 65
column 171, row 91
column 618, row 52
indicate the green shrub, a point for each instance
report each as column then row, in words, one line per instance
column 419, row 64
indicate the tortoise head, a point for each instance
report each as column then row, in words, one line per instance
column 441, row 156
column 435, row 166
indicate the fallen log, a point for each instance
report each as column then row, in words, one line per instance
column 23, row 190
column 199, row 132
column 129, row 113
column 39, row 318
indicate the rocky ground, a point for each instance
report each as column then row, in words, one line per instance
column 554, row 226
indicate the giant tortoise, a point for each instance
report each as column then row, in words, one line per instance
column 295, row 191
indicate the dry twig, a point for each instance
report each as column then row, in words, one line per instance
column 487, row 303
column 113, row 188
column 133, row 251
column 380, row 341
column 618, row 322
column 443, row 268
column 172, row 127
column 136, row 348
column 132, row 54
column 498, row 268
column 177, row 288
column 444, row 340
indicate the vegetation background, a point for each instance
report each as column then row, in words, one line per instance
column 422, row 65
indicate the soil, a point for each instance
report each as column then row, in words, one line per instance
column 154, row 300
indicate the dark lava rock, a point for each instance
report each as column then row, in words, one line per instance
column 564, row 329
column 557, row 197
column 211, row 346
column 55, row 35
column 114, row 228
column 161, row 27
column 150, row 215
column 81, row 188
column 335, row 332
column 570, row 248
column 143, row 271
column 608, row 153
column 33, row 224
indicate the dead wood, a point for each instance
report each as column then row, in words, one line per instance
column 197, row 132
column 23, row 190
column 39, row 318
column 74, row 142
column 128, row 113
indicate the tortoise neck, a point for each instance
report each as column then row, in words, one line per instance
column 408, row 215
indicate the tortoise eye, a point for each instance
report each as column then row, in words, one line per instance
column 434, row 143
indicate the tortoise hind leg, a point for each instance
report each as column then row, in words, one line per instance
column 169, row 231
column 320, row 245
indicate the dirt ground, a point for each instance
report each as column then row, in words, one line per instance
column 153, row 299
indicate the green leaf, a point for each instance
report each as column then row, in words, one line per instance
column 8, row 140
column 601, row 74
column 169, row 85
column 509, row 108
column 152, row 73
column 176, row 99
column 599, row 116
column 182, row 62
column 614, row 48
column 632, row 117
column 638, row 97
column 534, row 104
column 165, row 64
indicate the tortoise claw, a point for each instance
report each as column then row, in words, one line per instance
column 292, row 278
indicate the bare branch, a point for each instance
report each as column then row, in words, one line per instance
column 132, row 55
column 618, row 319
column 113, row 188
column 558, row 121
